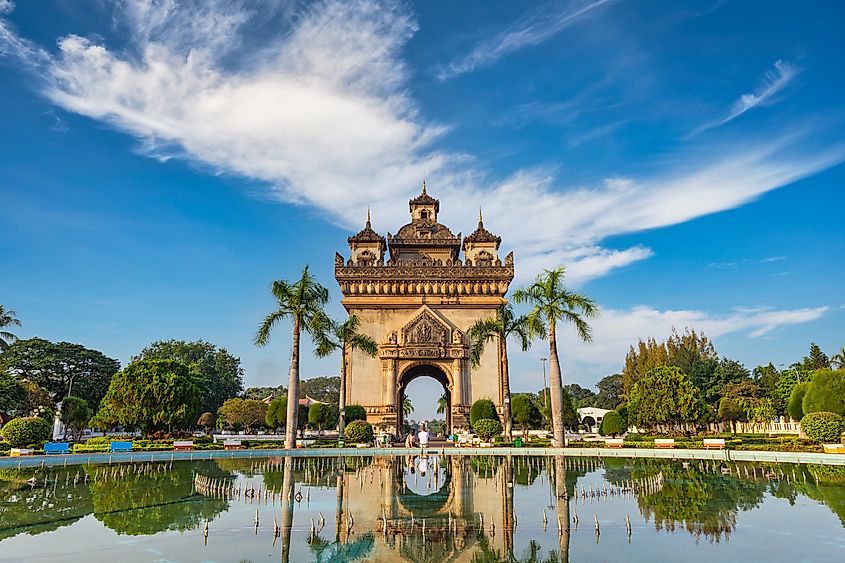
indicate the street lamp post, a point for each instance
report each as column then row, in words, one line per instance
column 545, row 387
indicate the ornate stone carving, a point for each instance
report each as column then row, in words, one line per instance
column 424, row 329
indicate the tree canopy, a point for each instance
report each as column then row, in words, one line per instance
column 219, row 373
column 151, row 395
column 54, row 365
column 664, row 395
column 8, row 318
column 244, row 413
column 826, row 392
column 691, row 352
column 525, row 413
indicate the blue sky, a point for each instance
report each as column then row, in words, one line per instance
column 160, row 165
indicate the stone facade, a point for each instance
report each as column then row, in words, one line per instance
column 417, row 297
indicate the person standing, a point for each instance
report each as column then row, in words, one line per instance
column 423, row 437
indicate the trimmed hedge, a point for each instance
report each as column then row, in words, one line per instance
column 487, row 428
column 823, row 427
column 359, row 432
column 25, row 432
column 482, row 409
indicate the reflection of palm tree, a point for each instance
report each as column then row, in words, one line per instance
column 554, row 303
column 302, row 302
column 346, row 338
column 7, row 318
column 407, row 407
column 441, row 404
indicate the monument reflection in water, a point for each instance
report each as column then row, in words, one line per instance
column 413, row 508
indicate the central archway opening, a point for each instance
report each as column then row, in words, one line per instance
column 425, row 396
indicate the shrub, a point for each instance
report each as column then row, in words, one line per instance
column 487, row 428
column 359, row 432
column 29, row 431
column 612, row 424
column 823, row 426
column 826, row 393
column 355, row 412
column 482, row 409
column 796, row 398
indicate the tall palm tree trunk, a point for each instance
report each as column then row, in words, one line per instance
column 556, row 386
column 506, row 388
column 287, row 499
column 341, row 401
column 293, row 391
column 562, row 507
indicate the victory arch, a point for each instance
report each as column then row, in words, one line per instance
column 417, row 293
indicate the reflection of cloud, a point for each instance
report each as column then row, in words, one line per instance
column 320, row 113
column 532, row 30
column 774, row 81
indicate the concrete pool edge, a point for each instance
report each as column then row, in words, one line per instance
column 642, row 453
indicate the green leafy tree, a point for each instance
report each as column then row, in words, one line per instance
column 301, row 302
column 407, row 407
column 612, row 424
column 526, row 415
column 816, row 359
column 246, row 413
column 322, row 416
column 487, row 428
column 481, row 409
column 664, row 395
column 731, row 412
column 13, row 395
column 767, row 378
column 823, row 427
column 499, row 328
column 26, row 432
column 355, row 412
column 219, row 373
column 796, row 401
column 151, row 395
column 552, row 303
column 8, row 318
column 75, row 415
column 322, row 388
column 261, row 393
column 344, row 337
column 727, row 372
column 580, row 396
column 60, row 368
column 611, row 392
column 276, row 414
column 691, row 352
column 826, row 392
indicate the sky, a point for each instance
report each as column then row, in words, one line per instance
column 161, row 163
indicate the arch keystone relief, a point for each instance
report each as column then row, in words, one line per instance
column 417, row 293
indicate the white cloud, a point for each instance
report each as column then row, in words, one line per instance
column 774, row 81
column 6, row 6
column 316, row 108
column 532, row 30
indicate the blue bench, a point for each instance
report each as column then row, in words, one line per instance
column 56, row 448
column 121, row 447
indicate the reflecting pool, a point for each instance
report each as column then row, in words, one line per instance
column 423, row 508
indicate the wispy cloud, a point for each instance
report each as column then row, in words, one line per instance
column 774, row 81
column 6, row 6
column 320, row 113
column 745, row 262
column 531, row 30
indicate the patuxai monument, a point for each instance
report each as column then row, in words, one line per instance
column 417, row 293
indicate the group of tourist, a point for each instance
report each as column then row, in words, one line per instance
column 421, row 439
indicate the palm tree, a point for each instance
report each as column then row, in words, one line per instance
column 7, row 318
column 407, row 407
column 346, row 338
column 499, row 328
column 441, row 404
column 838, row 359
column 302, row 302
column 553, row 303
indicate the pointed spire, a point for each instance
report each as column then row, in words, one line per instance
column 480, row 219
column 369, row 226
column 424, row 192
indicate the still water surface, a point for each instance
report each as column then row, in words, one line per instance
column 453, row 508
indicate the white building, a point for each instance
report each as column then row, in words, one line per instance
column 591, row 417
